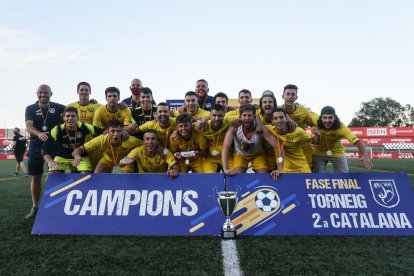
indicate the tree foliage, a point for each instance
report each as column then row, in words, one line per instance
column 409, row 115
column 383, row 112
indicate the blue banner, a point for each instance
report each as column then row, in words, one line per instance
column 296, row 204
column 130, row 204
column 324, row 204
column 174, row 104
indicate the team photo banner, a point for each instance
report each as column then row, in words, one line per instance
column 296, row 204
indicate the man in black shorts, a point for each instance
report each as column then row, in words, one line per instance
column 40, row 118
column 19, row 146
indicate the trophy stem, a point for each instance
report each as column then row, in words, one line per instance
column 228, row 210
column 228, row 225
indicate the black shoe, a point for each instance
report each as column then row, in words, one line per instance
column 32, row 213
column 15, row 174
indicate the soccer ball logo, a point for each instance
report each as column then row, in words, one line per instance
column 266, row 200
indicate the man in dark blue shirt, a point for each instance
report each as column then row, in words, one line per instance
column 40, row 118
column 204, row 100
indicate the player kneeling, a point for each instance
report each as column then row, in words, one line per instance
column 150, row 159
column 62, row 141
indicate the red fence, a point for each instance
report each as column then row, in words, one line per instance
column 380, row 141
column 383, row 131
column 383, row 155
column 388, row 142
column 379, row 136
column 9, row 156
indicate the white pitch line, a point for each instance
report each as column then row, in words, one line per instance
column 231, row 264
column 410, row 174
column 14, row 177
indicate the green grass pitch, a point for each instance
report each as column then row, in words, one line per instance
column 24, row 254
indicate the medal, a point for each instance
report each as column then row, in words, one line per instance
column 328, row 152
column 116, row 170
column 115, row 159
column 165, row 152
column 215, row 152
column 44, row 118
column 279, row 149
column 187, row 162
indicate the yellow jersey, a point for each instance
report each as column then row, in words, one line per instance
column 155, row 164
column 163, row 134
column 331, row 141
column 215, row 139
column 114, row 153
column 303, row 116
column 201, row 113
column 103, row 116
column 85, row 112
column 295, row 160
column 196, row 142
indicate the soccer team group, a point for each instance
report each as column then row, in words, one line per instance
column 205, row 135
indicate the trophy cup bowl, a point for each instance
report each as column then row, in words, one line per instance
column 227, row 202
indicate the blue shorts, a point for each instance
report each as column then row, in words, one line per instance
column 36, row 162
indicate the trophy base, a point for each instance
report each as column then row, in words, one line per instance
column 228, row 234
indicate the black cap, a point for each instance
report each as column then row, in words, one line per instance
column 328, row 110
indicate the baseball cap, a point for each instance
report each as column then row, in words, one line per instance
column 328, row 110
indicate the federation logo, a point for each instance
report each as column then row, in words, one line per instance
column 385, row 192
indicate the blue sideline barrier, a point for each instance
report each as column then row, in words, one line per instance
column 296, row 204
